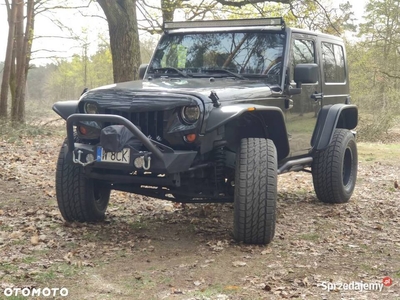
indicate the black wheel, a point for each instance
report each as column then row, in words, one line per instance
column 79, row 198
column 255, row 191
column 334, row 170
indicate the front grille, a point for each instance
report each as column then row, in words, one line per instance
column 151, row 123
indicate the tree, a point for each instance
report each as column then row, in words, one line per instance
column 21, row 20
column 8, row 62
column 375, row 64
column 124, row 38
column 17, row 58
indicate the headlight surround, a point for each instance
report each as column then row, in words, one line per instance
column 90, row 108
column 190, row 114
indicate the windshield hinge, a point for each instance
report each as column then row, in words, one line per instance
column 214, row 98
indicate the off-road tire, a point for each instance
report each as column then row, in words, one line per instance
column 255, row 191
column 79, row 198
column 334, row 170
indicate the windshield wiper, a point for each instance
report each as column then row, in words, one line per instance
column 183, row 74
column 220, row 70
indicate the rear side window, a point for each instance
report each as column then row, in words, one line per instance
column 303, row 53
column 333, row 63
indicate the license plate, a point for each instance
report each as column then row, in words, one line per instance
column 122, row 157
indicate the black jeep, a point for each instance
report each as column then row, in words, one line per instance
column 223, row 107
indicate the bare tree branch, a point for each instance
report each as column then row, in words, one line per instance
column 54, row 37
column 47, row 50
column 91, row 16
column 327, row 16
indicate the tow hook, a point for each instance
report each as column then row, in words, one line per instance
column 78, row 160
column 146, row 162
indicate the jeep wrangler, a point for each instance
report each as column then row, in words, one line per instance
column 221, row 110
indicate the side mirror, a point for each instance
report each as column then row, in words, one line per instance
column 142, row 70
column 306, row 73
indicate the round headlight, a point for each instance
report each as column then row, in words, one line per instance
column 90, row 108
column 190, row 114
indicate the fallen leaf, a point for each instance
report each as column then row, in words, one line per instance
column 35, row 240
column 305, row 282
column 267, row 251
column 197, row 283
column 68, row 257
column 231, row 288
column 239, row 264
column 15, row 235
column 267, row 288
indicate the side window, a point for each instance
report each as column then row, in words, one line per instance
column 303, row 52
column 333, row 63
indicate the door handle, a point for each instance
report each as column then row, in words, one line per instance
column 317, row 96
column 288, row 103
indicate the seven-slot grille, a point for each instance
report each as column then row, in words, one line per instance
column 149, row 122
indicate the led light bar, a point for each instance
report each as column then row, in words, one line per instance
column 226, row 23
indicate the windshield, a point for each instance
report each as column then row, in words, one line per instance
column 249, row 54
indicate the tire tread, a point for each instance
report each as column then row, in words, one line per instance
column 255, row 191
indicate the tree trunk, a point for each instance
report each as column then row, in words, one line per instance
column 8, row 61
column 168, row 9
column 20, row 66
column 124, row 38
column 23, row 41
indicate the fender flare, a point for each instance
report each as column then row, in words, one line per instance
column 329, row 118
column 66, row 108
column 272, row 115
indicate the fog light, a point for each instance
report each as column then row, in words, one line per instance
column 139, row 162
column 190, row 138
column 89, row 158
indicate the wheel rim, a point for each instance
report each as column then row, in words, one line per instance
column 347, row 166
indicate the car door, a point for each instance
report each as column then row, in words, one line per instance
column 302, row 116
column 334, row 71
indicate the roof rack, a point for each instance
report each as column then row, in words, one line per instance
column 226, row 23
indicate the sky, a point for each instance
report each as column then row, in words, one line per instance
column 90, row 26
column 52, row 38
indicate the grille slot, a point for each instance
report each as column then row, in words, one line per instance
column 149, row 122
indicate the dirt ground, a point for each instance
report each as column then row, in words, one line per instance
column 151, row 249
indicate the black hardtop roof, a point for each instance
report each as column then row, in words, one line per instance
column 316, row 33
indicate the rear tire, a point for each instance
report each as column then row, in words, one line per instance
column 334, row 170
column 79, row 198
column 255, row 191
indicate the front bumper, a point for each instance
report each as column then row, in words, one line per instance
column 163, row 159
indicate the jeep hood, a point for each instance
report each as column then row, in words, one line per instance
column 227, row 89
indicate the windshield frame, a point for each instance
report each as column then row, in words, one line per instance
column 246, row 30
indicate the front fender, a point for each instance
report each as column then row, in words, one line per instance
column 329, row 118
column 272, row 117
column 224, row 114
column 66, row 108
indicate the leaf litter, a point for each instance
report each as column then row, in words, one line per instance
column 187, row 252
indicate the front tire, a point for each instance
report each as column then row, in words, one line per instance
column 334, row 170
column 255, row 191
column 79, row 198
